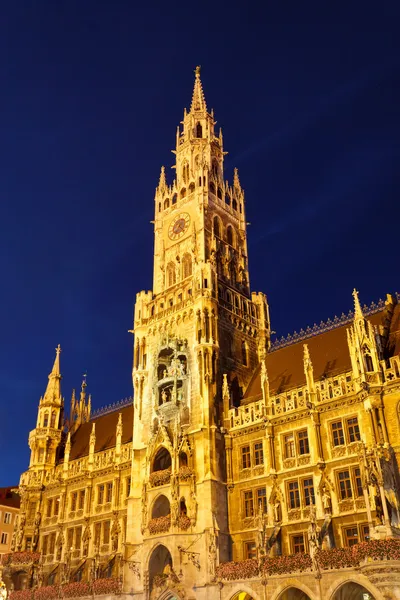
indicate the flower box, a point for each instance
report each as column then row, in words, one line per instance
column 243, row 569
column 76, row 589
column 185, row 473
column 159, row 525
column 183, row 522
column 106, row 586
column 280, row 565
column 20, row 558
column 21, row 595
column 47, row 592
column 160, row 477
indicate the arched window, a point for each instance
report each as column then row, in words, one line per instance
column 171, row 274
column 53, row 419
column 215, row 169
column 234, row 204
column 229, row 235
column 228, row 200
column 183, row 192
column 183, row 459
column 186, row 266
column 46, row 419
column 166, row 203
column 174, row 198
column 240, row 207
column 162, row 460
column 191, row 188
column 244, row 353
column 159, row 207
column 212, row 187
column 199, row 130
column 368, row 363
column 161, row 507
column 217, row 227
column 219, row 193
column 229, row 297
column 185, row 173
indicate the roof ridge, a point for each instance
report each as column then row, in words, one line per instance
column 309, row 332
column 109, row 408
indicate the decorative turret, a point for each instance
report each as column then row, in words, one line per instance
column 45, row 439
column 118, row 436
column 67, row 452
column 363, row 347
column 92, row 444
column 80, row 410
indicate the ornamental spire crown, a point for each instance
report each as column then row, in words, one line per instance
column 53, row 389
column 198, row 99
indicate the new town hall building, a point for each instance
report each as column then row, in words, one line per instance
column 240, row 469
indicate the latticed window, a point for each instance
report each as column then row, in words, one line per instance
column 258, row 453
column 78, row 538
column 246, row 457
column 49, row 507
column 262, row 499
column 81, row 499
column 97, row 533
column 250, row 550
column 109, row 491
column 31, row 510
column 74, row 498
column 100, row 494
column 44, row 545
column 171, row 274
column 308, row 491
column 337, row 433
column 70, row 538
column 56, row 506
column 298, row 544
column 290, row 449
column 365, row 537
column 358, row 482
column 302, row 438
column 52, row 543
column 294, row 494
column 351, row 536
column 353, row 430
column 186, row 266
column 248, row 504
column 344, row 485
column 106, row 532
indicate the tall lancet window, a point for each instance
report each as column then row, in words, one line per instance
column 171, row 274
column 186, row 266
column 199, row 130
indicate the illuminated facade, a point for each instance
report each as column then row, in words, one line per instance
column 235, row 452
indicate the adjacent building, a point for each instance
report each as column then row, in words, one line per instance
column 9, row 509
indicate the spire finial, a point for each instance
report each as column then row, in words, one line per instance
column 236, row 180
column 162, row 184
column 53, row 390
column 358, row 314
column 198, row 100
column 84, row 384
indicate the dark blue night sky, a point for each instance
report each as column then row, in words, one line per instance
column 308, row 96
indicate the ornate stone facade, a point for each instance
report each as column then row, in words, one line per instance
column 232, row 454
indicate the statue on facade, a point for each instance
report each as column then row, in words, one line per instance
column 36, row 526
column 192, row 507
column 60, row 544
column 20, row 534
column 144, row 507
column 326, row 500
column 86, row 538
column 277, row 511
column 14, row 536
column 212, row 553
column 115, row 531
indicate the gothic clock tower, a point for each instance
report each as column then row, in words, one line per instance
column 199, row 331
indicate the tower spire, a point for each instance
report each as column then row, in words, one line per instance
column 53, row 389
column 162, row 184
column 198, row 100
column 358, row 313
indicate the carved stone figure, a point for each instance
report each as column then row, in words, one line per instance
column 192, row 507
column 277, row 511
column 326, row 500
column 144, row 507
column 86, row 538
column 212, row 554
column 115, row 531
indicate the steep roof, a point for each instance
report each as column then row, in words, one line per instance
column 105, row 432
column 329, row 354
column 9, row 498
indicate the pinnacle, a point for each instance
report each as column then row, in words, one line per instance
column 236, row 180
column 53, row 389
column 162, row 184
column 357, row 306
column 198, row 100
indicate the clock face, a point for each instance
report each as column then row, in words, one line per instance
column 178, row 226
